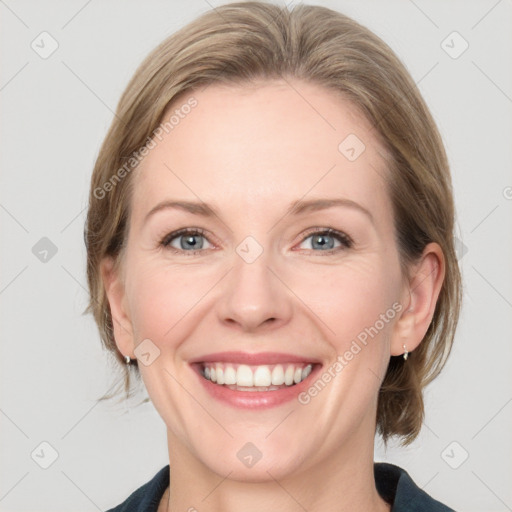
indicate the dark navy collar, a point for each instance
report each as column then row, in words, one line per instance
column 396, row 487
column 393, row 483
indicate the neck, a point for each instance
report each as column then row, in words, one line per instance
column 344, row 482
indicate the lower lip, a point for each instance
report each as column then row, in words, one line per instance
column 255, row 399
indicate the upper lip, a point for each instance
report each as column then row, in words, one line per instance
column 255, row 359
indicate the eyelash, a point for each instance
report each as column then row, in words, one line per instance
column 345, row 240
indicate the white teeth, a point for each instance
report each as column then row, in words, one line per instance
column 220, row 374
column 244, row 376
column 262, row 376
column 288, row 375
column 306, row 371
column 256, row 378
column 278, row 375
column 229, row 375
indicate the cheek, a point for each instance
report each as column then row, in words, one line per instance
column 341, row 298
column 163, row 297
column 352, row 298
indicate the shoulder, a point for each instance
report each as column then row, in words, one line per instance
column 147, row 497
column 396, row 486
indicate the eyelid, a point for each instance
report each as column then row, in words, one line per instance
column 165, row 241
column 345, row 240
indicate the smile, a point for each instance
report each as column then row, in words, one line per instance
column 255, row 381
column 243, row 377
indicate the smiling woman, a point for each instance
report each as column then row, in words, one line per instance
column 280, row 255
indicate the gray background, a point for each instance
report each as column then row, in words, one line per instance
column 55, row 113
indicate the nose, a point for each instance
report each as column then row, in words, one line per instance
column 254, row 296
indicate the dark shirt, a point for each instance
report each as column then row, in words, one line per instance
column 393, row 484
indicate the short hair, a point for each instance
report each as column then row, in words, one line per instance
column 241, row 43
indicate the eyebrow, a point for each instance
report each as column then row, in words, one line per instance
column 298, row 207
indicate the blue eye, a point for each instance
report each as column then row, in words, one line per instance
column 190, row 239
column 325, row 239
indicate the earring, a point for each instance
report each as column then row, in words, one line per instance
column 406, row 354
column 127, row 360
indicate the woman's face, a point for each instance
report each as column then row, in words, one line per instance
column 257, row 291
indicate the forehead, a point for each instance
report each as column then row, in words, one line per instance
column 262, row 145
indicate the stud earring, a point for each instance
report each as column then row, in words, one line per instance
column 127, row 360
column 406, row 354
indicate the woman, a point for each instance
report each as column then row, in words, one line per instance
column 270, row 244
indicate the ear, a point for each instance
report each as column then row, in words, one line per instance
column 115, row 290
column 419, row 299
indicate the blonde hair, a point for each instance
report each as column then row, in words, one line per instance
column 244, row 42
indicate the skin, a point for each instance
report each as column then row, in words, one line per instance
column 250, row 151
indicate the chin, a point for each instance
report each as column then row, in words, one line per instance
column 256, row 461
column 261, row 471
